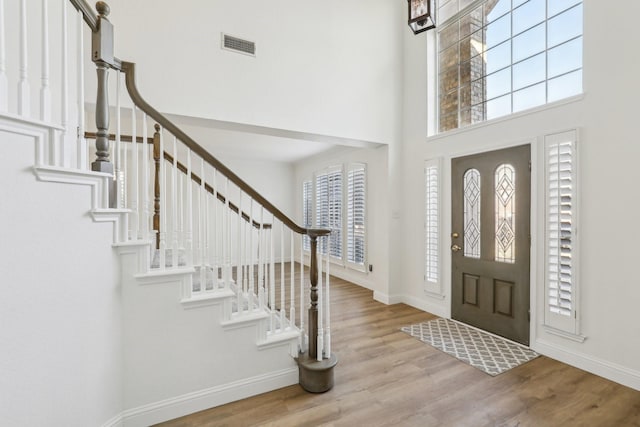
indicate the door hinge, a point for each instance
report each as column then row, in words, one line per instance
column 529, row 165
column 529, row 315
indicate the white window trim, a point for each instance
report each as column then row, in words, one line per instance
column 565, row 326
column 431, row 287
column 433, row 102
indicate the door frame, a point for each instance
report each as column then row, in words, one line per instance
column 535, row 228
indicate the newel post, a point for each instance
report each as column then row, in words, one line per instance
column 313, row 308
column 102, row 56
column 315, row 375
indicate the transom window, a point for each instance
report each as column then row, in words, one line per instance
column 498, row 57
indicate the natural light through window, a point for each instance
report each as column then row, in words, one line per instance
column 498, row 57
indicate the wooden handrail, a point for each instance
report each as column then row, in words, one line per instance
column 182, row 168
column 130, row 78
column 312, row 376
column 88, row 14
column 123, row 138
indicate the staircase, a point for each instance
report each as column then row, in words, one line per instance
column 217, row 297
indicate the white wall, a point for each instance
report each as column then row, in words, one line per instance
column 377, row 199
column 60, row 311
column 329, row 68
column 608, row 153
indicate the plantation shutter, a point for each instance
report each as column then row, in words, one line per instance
column 431, row 222
column 561, row 231
column 356, row 208
column 335, row 213
column 322, row 207
column 307, row 191
column 329, row 209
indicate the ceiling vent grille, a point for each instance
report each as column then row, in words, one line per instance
column 238, row 45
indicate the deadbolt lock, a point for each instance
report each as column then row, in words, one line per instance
column 455, row 235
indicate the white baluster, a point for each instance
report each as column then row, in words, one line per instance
column 163, row 205
column 117, row 148
column 327, row 305
column 251, row 258
column 272, row 276
column 292, row 308
column 227, row 233
column 189, row 213
column 135, row 212
column 45, row 90
column 214, row 220
column 181, row 198
column 146, row 207
column 4, row 88
column 282, row 281
column 82, row 154
column 202, row 205
column 261, row 295
column 320, row 308
column 174, row 205
column 208, row 237
column 23, row 83
column 64, row 121
column 239, row 265
column 125, row 183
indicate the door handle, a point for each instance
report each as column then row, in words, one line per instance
column 455, row 248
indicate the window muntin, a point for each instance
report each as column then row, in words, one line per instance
column 497, row 58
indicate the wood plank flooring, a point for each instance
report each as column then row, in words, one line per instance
column 386, row 378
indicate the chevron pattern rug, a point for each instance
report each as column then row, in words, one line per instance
column 489, row 353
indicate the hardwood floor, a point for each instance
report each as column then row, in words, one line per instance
column 385, row 377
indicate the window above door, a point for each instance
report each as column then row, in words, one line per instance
column 498, row 57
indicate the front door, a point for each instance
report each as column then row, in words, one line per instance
column 490, row 241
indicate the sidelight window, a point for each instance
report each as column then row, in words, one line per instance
column 560, row 229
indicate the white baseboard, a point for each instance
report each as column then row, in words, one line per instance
column 436, row 309
column 384, row 298
column 594, row 365
column 114, row 422
column 208, row 398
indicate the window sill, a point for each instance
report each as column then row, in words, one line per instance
column 513, row 116
column 564, row 334
column 339, row 263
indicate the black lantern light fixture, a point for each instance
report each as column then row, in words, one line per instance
column 421, row 15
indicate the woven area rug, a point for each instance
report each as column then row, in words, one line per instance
column 489, row 353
